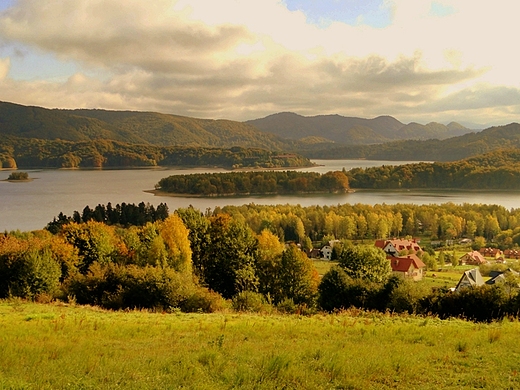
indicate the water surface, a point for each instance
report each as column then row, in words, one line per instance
column 31, row 205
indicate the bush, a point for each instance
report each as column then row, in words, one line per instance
column 204, row 300
column 250, row 301
column 339, row 291
column 405, row 297
column 28, row 273
column 130, row 287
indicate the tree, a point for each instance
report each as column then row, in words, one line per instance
column 96, row 242
column 268, row 263
column 298, row 277
column 198, row 236
column 332, row 289
column 365, row 262
column 228, row 260
column 175, row 236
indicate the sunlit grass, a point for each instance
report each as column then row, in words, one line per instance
column 53, row 346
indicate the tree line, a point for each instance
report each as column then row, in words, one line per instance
column 254, row 182
column 124, row 214
column 494, row 224
column 98, row 153
column 494, row 170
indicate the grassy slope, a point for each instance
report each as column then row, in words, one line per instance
column 51, row 346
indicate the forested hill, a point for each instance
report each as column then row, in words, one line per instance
column 456, row 148
column 351, row 130
column 17, row 152
column 132, row 127
column 499, row 169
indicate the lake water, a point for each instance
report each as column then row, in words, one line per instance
column 31, row 205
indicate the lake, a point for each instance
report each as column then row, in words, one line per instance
column 31, row 205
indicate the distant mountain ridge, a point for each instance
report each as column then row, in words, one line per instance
column 353, row 130
column 455, row 148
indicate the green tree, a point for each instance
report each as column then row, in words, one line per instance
column 365, row 262
column 228, row 260
column 95, row 241
column 298, row 277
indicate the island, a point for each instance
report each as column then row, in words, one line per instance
column 253, row 183
column 19, row 176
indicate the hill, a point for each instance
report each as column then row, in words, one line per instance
column 19, row 152
column 131, row 127
column 499, row 169
column 352, row 130
column 456, row 148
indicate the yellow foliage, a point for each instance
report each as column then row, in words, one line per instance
column 175, row 236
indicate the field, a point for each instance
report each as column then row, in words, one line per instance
column 56, row 346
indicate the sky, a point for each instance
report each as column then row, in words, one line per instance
column 416, row 60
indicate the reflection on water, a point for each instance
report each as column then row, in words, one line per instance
column 30, row 205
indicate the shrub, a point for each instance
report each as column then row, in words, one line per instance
column 27, row 271
column 249, row 301
column 205, row 301
column 129, row 287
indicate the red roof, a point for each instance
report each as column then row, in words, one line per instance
column 399, row 244
column 403, row 264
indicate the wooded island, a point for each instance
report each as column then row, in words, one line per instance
column 255, row 182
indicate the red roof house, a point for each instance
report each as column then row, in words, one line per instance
column 409, row 266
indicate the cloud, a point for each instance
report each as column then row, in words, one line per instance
column 242, row 59
column 5, row 64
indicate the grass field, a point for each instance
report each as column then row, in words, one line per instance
column 71, row 347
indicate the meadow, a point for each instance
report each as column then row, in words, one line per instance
column 57, row 346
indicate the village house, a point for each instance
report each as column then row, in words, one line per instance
column 470, row 278
column 326, row 252
column 512, row 254
column 501, row 276
column 395, row 246
column 472, row 258
column 491, row 252
column 407, row 267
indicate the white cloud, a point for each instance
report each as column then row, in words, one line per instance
column 241, row 59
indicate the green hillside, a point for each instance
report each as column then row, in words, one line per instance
column 499, row 169
column 43, row 153
column 132, row 127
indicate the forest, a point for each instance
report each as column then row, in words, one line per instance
column 16, row 152
column 251, row 257
column 498, row 169
column 257, row 182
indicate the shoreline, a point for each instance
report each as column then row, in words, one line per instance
column 236, row 195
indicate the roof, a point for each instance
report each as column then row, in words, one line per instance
column 403, row 264
column 399, row 244
column 500, row 276
column 476, row 256
column 470, row 278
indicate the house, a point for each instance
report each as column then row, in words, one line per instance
column 409, row 266
column 500, row 276
column 512, row 254
column 491, row 252
column 473, row 258
column 470, row 278
column 394, row 246
column 326, row 252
